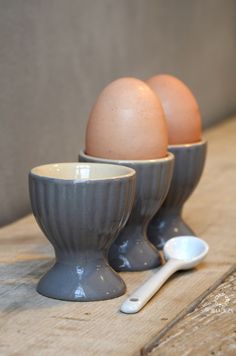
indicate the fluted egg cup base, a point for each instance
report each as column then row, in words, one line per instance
column 132, row 251
column 188, row 168
column 78, row 283
column 167, row 226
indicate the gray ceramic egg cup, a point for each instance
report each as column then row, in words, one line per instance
column 188, row 168
column 81, row 219
column 132, row 251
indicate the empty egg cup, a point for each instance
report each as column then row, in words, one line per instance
column 132, row 251
column 188, row 168
column 81, row 207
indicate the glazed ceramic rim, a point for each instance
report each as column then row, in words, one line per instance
column 126, row 172
column 188, row 145
column 168, row 157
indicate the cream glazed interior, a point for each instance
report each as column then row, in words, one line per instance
column 82, row 171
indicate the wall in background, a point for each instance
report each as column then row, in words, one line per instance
column 56, row 56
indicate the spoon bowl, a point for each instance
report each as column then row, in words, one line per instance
column 190, row 250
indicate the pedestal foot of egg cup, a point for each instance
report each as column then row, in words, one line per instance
column 81, row 207
column 89, row 281
column 188, row 168
column 132, row 251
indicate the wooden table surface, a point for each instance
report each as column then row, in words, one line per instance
column 188, row 316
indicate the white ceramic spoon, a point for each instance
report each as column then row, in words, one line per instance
column 182, row 252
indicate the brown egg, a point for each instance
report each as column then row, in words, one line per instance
column 127, row 123
column 180, row 107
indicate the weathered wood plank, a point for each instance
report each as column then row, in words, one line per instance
column 32, row 324
column 210, row 329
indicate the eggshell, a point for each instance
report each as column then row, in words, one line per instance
column 127, row 123
column 180, row 107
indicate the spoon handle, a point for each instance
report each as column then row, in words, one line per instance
column 145, row 292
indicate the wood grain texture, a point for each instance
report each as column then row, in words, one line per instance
column 210, row 329
column 31, row 324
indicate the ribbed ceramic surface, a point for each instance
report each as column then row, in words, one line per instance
column 131, row 250
column 152, row 184
column 81, row 220
column 78, row 216
column 188, row 168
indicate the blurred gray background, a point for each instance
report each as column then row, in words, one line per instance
column 57, row 55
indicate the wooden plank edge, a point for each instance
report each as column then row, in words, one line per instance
column 154, row 342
